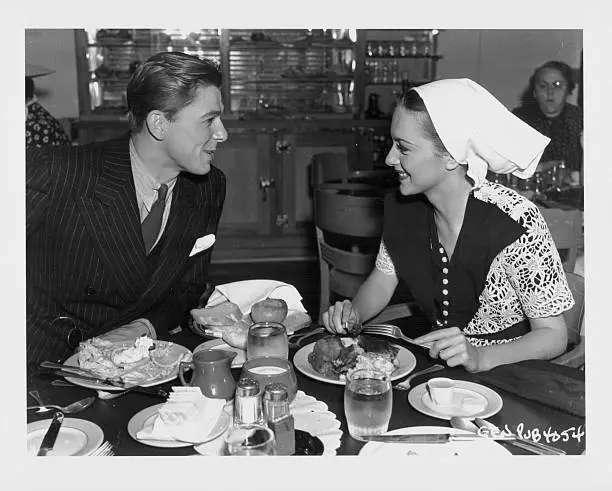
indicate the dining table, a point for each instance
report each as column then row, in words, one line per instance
column 529, row 418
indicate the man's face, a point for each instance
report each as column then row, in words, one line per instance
column 191, row 138
column 550, row 91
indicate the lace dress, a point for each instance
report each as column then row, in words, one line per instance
column 524, row 280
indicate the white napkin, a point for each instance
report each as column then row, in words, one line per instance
column 248, row 292
column 188, row 415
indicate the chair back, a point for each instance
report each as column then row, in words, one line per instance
column 566, row 229
column 355, row 212
column 328, row 166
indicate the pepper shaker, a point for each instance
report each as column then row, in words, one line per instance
column 279, row 418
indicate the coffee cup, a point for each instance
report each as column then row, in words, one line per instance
column 441, row 390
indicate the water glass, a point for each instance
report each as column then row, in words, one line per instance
column 250, row 440
column 368, row 401
column 267, row 339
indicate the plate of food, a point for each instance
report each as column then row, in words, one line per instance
column 145, row 362
column 332, row 357
column 227, row 321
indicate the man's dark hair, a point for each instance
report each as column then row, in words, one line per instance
column 167, row 82
column 527, row 97
column 411, row 101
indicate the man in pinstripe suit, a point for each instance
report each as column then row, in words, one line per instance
column 89, row 263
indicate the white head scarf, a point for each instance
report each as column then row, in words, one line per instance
column 479, row 132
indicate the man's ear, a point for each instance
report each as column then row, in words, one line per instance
column 156, row 123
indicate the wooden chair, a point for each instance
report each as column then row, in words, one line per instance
column 566, row 229
column 328, row 166
column 355, row 212
column 574, row 319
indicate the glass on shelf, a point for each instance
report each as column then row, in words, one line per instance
column 370, row 49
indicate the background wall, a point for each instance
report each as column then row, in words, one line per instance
column 500, row 60
column 54, row 49
column 503, row 60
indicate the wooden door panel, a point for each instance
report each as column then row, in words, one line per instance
column 243, row 160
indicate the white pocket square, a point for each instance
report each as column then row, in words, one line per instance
column 202, row 244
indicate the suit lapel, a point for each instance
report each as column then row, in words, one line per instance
column 111, row 215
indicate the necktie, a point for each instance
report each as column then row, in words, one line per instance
column 152, row 223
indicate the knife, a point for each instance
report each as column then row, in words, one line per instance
column 430, row 438
column 152, row 391
column 50, row 437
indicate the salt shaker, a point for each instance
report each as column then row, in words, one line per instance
column 247, row 402
column 278, row 417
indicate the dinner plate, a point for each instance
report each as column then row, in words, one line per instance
column 406, row 359
column 220, row 344
column 75, row 437
column 144, row 417
column 177, row 349
column 478, row 394
column 481, row 448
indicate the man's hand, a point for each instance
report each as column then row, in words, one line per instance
column 452, row 346
column 129, row 332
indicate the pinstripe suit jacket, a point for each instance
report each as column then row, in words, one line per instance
column 85, row 254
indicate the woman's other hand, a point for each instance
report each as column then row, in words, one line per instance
column 452, row 346
column 338, row 316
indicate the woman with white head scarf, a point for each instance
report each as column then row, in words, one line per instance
column 477, row 257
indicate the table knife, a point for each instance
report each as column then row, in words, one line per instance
column 50, row 437
column 152, row 391
column 428, row 438
column 525, row 444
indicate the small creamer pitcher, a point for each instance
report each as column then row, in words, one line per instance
column 211, row 372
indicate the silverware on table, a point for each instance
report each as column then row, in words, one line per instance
column 50, row 437
column 430, row 438
column 152, row 391
column 405, row 385
column 393, row 332
column 301, row 336
column 74, row 408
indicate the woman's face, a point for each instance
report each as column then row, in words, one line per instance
column 550, row 91
column 414, row 155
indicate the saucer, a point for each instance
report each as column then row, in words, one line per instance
column 470, row 400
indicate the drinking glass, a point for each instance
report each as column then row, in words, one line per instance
column 250, row 440
column 368, row 402
column 267, row 339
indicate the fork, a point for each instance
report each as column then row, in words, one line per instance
column 392, row 332
column 104, row 450
column 405, row 385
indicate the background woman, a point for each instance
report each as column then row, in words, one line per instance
column 477, row 257
column 545, row 108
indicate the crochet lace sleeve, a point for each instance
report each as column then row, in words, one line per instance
column 535, row 271
column 384, row 262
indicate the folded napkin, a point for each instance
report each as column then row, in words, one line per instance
column 557, row 386
column 248, row 292
column 188, row 415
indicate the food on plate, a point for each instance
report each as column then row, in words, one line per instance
column 220, row 317
column 269, row 310
column 237, row 336
column 142, row 360
column 334, row 357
